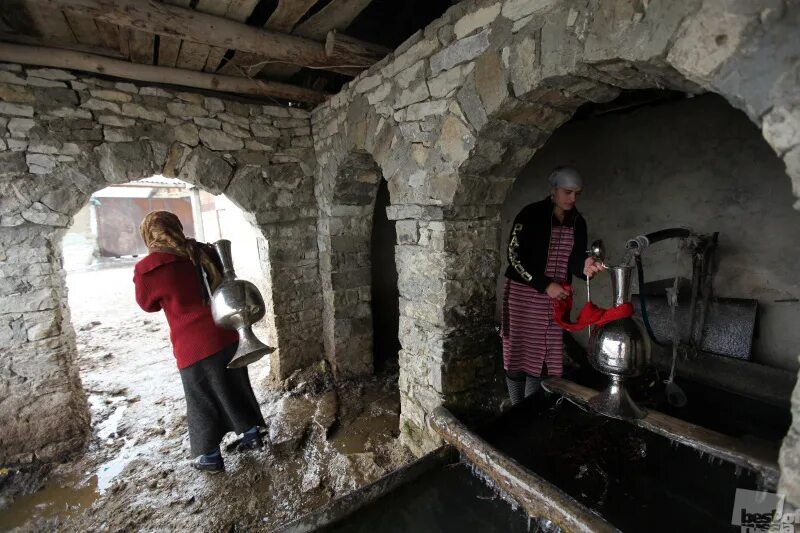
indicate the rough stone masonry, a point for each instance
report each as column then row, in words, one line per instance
column 448, row 119
column 65, row 136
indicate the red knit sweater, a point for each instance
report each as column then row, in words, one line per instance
column 169, row 282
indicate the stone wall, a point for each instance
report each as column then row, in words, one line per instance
column 452, row 116
column 449, row 120
column 64, row 136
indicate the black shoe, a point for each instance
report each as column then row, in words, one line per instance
column 250, row 442
column 212, row 466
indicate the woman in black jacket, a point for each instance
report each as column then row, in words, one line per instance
column 547, row 246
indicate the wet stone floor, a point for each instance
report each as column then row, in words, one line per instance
column 322, row 440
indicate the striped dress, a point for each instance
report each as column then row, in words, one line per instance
column 531, row 338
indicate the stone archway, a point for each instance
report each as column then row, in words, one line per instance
column 77, row 135
column 344, row 232
column 453, row 115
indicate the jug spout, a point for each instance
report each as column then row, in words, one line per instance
column 621, row 283
column 223, row 247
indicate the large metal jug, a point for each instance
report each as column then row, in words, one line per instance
column 618, row 349
column 237, row 304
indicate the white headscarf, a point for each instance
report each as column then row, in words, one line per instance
column 566, row 177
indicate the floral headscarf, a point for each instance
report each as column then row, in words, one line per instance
column 162, row 231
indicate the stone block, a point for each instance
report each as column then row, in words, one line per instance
column 110, row 95
column 490, row 81
column 205, row 122
column 10, row 77
column 460, row 51
column 219, row 140
column 368, row 83
column 41, row 82
column 187, row 134
column 12, row 164
column 71, row 113
column 231, row 118
column 214, row 105
column 523, row 67
column 193, row 98
column 236, row 131
column 415, row 94
column 115, row 121
column 46, row 147
column 16, row 94
column 420, row 50
column 448, row 80
column 40, row 163
column 16, row 110
column 264, row 130
column 50, row 74
column 101, row 105
column 138, row 111
column 117, row 134
column 155, row 91
column 126, row 87
column 19, row 127
column 126, row 161
column 180, row 109
column 17, row 145
column 207, row 169
column 479, row 18
column 516, row 9
column 424, row 109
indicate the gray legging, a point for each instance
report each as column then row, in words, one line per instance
column 521, row 385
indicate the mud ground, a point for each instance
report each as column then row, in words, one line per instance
column 322, row 440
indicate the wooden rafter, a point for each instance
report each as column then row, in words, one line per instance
column 68, row 59
column 336, row 16
column 18, row 38
column 283, row 19
column 196, row 27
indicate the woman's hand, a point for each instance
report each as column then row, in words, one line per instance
column 592, row 266
column 556, row 291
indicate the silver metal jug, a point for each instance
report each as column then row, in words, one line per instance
column 618, row 349
column 237, row 304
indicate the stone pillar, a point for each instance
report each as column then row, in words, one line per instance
column 43, row 410
column 296, row 294
column 344, row 237
column 197, row 215
column 344, row 232
column 420, row 260
column 447, row 271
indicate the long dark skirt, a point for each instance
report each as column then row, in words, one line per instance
column 218, row 400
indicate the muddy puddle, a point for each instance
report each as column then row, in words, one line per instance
column 322, row 440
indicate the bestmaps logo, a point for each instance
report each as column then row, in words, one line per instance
column 757, row 511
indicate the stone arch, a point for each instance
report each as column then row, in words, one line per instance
column 510, row 105
column 344, row 232
column 455, row 112
column 533, row 78
column 78, row 135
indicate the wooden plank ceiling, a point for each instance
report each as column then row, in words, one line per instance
column 103, row 29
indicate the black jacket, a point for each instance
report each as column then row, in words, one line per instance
column 529, row 244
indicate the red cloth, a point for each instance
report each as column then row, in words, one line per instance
column 169, row 282
column 589, row 315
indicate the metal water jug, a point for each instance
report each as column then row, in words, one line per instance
column 618, row 349
column 237, row 304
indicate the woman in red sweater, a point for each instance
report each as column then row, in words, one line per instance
column 218, row 400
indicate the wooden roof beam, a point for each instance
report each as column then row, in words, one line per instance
column 194, row 26
column 72, row 60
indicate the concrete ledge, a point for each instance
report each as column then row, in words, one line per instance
column 537, row 496
column 705, row 440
